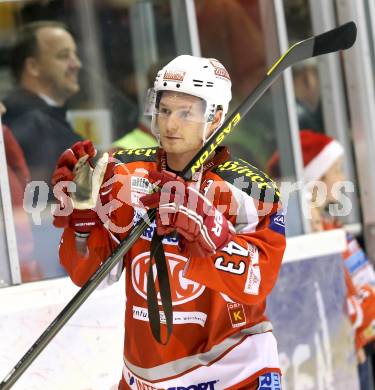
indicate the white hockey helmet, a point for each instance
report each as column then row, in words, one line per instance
column 205, row 78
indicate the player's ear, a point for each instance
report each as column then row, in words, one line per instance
column 217, row 117
column 216, row 121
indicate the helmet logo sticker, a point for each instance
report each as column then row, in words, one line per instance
column 174, row 75
column 219, row 69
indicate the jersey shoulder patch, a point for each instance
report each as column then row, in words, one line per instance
column 131, row 155
column 248, row 178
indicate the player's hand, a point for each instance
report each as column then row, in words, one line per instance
column 76, row 164
column 202, row 228
column 67, row 162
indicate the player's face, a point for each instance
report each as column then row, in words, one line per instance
column 181, row 122
column 57, row 63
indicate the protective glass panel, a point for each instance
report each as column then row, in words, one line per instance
column 247, row 44
column 88, row 80
column 321, row 103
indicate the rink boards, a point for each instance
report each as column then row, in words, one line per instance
column 306, row 307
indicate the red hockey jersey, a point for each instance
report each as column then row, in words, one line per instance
column 221, row 337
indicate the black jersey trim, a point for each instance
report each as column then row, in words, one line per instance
column 138, row 154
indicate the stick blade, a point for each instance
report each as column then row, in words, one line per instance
column 340, row 38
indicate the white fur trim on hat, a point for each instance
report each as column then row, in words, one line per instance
column 320, row 164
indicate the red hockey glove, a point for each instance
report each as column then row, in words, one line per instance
column 81, row 221
column 202, row 228
column 69, row 159
column 75, row 164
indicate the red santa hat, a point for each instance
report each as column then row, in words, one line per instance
column 319, row 153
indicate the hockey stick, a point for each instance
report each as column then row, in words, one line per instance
column 340, row 38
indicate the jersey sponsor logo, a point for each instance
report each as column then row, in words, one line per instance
column 179, row 317
column 174, row 75
column 200, row 386
column 182, row 290
column 139, row 186
column 277, row 222
column 270, row 381
column 259, row 178
column 236, row 314
column 253, row 278
column 280, row 220
column 137, row 152
column 139, row 384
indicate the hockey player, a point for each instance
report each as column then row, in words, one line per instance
column 224, row 260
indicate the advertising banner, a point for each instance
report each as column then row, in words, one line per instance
column 308, row 311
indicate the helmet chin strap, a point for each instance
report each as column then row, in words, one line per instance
column 198, row 182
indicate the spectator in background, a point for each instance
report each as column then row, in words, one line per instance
column 307, row 91
column 45, row 66
column 323, row 162
column 18, row 175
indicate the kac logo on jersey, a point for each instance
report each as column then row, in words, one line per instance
column 182, row 289
column 277, row 222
